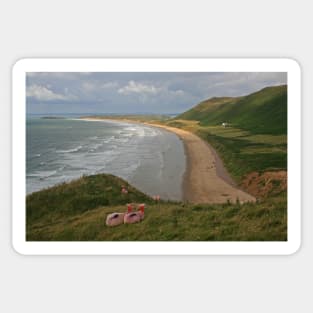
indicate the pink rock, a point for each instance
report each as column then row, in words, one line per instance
column 132, row 217
column 115, row 219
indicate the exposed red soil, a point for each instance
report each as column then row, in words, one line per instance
column 262, row 185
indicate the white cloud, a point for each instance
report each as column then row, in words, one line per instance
column 134, row 92
column 109, row 85
column 58, row 75
column 43, row 93
column 179, row 92
column 88, row 86
column 97, row 86
column 135, row 87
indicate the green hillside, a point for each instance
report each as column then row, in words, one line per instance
column 76, row 211
column 262, row 112
column 80, row 195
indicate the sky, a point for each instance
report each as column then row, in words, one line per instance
column 152, row 92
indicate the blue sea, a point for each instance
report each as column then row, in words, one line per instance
column 64, row 149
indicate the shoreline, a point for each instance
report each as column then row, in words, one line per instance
column 205, row 179
column 208, row 181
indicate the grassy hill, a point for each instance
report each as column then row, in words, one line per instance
column 81, row 195
column 256, row 139
column 76, row 211
column 262, row 112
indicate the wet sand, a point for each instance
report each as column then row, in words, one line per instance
column 206, row 180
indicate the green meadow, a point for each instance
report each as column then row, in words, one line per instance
column 241, row 151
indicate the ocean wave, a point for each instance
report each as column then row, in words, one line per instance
column 144, row 131
column 70, row 150
column 35, row 156
column 136, row 131
column 99, row 143
column 94, row 147
column 42, row 174
column 126, row 150
column 125, row 134
column 107, row 140
column 122, row 140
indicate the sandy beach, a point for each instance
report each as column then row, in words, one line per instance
column 206, row 180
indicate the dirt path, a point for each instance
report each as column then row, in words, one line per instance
column 206, row 180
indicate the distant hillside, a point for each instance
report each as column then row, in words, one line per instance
column 262, row 112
